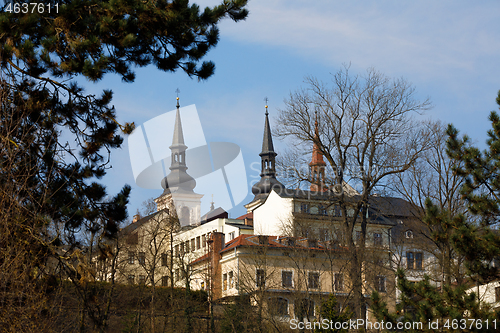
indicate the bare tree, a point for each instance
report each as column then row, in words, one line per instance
column 432, row 177
column 366, row 133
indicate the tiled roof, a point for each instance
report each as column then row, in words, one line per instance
column 275, row 242
column 246, row 216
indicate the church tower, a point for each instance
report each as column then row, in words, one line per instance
column 317, row 165
column 178, row 185
column 268, row 179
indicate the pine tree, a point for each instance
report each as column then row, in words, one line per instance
column 476, row 239
column 49, row 189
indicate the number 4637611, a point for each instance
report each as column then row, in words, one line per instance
column 31, row 7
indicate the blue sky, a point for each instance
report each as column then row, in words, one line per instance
column 447, row 49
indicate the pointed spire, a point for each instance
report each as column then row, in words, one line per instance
column 267, row 142
column 317, row 164
column 178, row 179
column 268, row 179
column 178, row 138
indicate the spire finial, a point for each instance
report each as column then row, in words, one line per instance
column 212, row 207
column 266, row 100
column 177, row 91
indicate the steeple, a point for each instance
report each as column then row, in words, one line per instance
column 268, row 179
column 178, row 179
column 317, row 165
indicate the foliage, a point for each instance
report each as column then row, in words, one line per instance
column 424, row 302
column 55, row 139
column 330, row 310
column 238, row 316
column 477, row 239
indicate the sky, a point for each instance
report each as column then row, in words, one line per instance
column 447, row 49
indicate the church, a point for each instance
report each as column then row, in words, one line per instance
column 287, row 250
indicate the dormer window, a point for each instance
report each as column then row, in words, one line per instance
column 409, row 234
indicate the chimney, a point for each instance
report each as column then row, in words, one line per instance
column 216, row 244
column 137, row 217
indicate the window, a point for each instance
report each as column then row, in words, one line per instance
column 339, row 282
column 202, row 285
column 164, row 281
column 322, row 210
column 414, row 260
column 418, row 260
column 142, row 279
column 380, row 283
column 409, row 234
column 230, row 280
column 177, row 274
column 231, row 235
column 358, row 236
column 177, row 250
column 198, row 243
column 193, row 245
column 286, row 279
column 278, row 306
column 181, row 249
column 260, row 278
column 164, row 259
column 141, row 258
column 186, row 246
column 224, row 281
column 204, row 240
column 497, row 294
column 131, row 257
column 313, row 280
column 304, row 208
column 131, row 279
column 377, row 239
column 410, row 260
column 337, row 211
column 324, row 235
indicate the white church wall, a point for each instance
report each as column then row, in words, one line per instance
column 271, row 217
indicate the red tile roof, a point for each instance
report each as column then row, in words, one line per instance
column 272, row 242
column 246, row 216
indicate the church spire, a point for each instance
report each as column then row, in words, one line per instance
column 267, row 142
column 317, row 164
column 178, row 179
column 268, row 179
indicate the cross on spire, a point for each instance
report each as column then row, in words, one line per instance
column 177, row 91
column 266, row 100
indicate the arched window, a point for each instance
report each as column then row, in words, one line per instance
column 278, row 306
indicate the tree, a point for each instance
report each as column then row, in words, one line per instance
column 432, row 178
column 49, row 188
column 366, row 133
column 476, row 239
